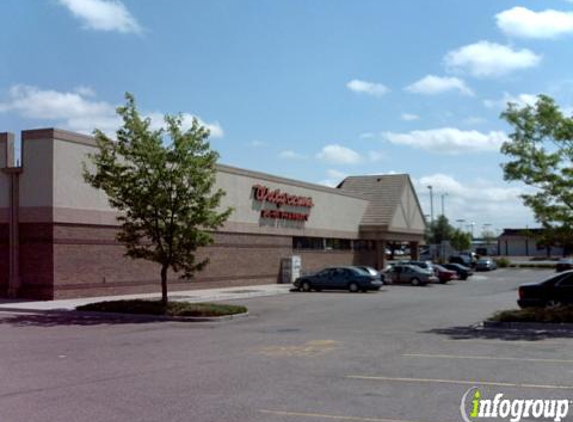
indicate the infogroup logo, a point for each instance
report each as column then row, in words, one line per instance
column 475, row 407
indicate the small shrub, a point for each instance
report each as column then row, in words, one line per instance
column 560, row 314
column 155, row 307
column 503, row 262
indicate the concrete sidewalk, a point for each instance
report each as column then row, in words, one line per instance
column 206, row 295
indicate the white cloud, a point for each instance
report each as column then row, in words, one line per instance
column 449, row 140
column 367, row 135
column 337, row 154
column 292, row 155
column 78, row 111
column 524, row 23
column 486, row 59
column 71, row 110
column 334, row 177
column 432, row 85
column 369, row 88
column 103, row 15
column 408, row 117
column 521, row 100
column 157, row 122
column 498, row 203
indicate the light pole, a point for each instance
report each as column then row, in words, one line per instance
column 431, row 203
column 443, row 210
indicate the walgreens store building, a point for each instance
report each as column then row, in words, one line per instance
column 58, row 235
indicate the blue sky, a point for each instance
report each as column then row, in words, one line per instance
column 313, row 90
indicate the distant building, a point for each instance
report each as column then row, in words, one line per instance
column 523, row 242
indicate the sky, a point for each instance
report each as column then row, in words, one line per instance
column 313, row 90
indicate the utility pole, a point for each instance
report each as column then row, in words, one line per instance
column 431, row 203
column 443, row 209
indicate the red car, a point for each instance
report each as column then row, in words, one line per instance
column 445, row 275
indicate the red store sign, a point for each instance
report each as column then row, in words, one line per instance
column 264, row 194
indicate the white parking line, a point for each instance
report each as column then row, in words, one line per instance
column 462, row 382
column 330, row 417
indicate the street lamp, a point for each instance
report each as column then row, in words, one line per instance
column 431, row 203
column 443, row 195
column 460, row 221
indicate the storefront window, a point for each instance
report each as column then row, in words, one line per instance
column 338, row 244
column 313, row 243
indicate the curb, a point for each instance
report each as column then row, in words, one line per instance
column 140, row 317
column 529, row 325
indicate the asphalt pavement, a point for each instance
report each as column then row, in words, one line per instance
column 404, row 354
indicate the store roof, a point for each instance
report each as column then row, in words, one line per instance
column 388, row 196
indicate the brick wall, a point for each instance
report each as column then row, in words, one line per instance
column 68, row 260
column 88, row 261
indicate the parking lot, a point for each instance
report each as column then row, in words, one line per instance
column 402, row 354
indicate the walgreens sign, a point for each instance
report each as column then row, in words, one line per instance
column 264, row 194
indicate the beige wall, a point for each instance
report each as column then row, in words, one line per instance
column 408, row 214
column 333, row 213
column 36, row 181
column 53, row 177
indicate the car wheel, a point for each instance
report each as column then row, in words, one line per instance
column 465, row 277
column 415, row 282
column 306, row 287
column 353, row 287
column 552, row 304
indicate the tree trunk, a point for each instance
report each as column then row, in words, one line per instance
column 164, row 285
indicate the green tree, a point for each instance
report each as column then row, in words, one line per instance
column 162, row 182
column 461, row 240
column 540, row 150
column 439, row 230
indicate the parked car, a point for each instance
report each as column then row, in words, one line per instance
column 426, row 265
column 461, row 259
column 373, row 272
column 463, row 271
column 349, row 278
column 444, row 274
column 554, row 291
column 564, row 264
column 405, row 273
column 486, row 264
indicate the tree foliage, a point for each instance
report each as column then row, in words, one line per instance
column 540, row 150
column 461, row 240
column 439, row 230
column 162, row 182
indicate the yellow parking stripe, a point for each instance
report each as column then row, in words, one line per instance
column 331, row 417
column 473, row 382
column 424, row 355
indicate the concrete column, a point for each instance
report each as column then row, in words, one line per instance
column 11, row 173
column 414, row 252
column 380, row 254
column 14, row 245
column 7, row 146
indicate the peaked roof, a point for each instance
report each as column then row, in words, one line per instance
column 384, row 193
